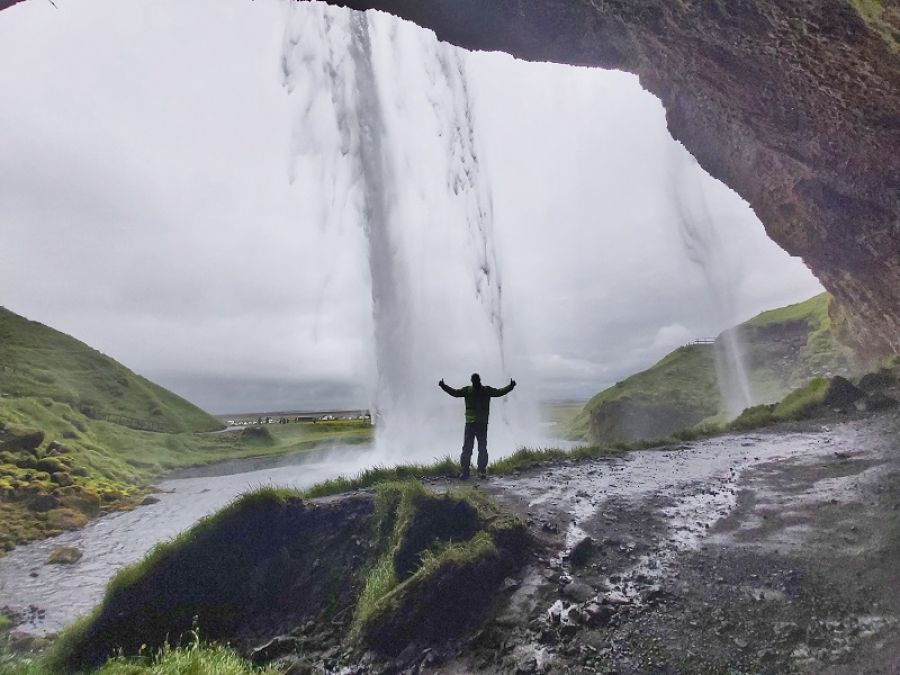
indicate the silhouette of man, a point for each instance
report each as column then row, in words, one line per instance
column 478, row 409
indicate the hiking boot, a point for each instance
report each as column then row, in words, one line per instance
column 464, row 476
column 482, row 475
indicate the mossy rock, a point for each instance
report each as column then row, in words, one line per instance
column 271, row 562
column 458, row 571
column 64, row 555
column 62, row 478
column 435, row 519
column 65, row 519
column 50, row 464
column 80, row 499
column 28, row 440
column 440, row 600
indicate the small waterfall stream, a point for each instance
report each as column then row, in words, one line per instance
column 704, row 249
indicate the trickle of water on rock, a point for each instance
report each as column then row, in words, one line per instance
column 704, row 248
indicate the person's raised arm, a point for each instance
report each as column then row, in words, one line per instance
column 495, row 393
column 450, row 390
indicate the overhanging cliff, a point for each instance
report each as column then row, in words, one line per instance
column 795, row 104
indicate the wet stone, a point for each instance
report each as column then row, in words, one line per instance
column 64, row 555
column 567, row 630
column 509, row 583
column 582, row 551
column 277, row 646
column 578, row 591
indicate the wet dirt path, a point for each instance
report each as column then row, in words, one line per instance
column 775, row 552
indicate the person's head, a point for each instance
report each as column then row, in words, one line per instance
column 476, row 380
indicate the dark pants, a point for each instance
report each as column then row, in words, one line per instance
column 474, row 430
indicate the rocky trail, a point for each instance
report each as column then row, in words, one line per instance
column 771, row 552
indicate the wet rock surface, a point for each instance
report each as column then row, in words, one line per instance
column 64, row 555
column 780, row 559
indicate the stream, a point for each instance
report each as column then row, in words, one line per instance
column 50, row 597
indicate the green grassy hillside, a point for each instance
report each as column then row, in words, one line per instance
column 784, row 349
column 38, row 361
column 81, row 435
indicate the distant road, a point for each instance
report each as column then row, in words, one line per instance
column 304, row 415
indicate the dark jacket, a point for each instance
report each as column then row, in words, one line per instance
column 478, row 400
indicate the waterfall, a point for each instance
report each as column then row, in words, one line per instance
column 385, row 140
column 704, row 249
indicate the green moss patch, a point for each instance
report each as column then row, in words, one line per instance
column 444, row 557
column 803, row 403
column 882, row 18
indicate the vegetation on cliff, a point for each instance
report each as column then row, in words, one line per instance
column 783, row 348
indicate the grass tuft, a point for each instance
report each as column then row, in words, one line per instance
column 440, row 468
column 195, row 659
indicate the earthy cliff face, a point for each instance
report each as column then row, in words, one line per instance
column 795, row 104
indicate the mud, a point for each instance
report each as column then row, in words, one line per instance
column 773, row 552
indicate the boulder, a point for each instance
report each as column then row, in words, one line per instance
column 61, row 478
column 66, row 519
column 50, row 464
column 64, row 555
column 278, row 646
column 598, row 615
column 841, row 393
column 21, row 440
column 582, row 551
column 877, row 382
column 80, row 499
column 578, row 591
column 877, row 401
column 41, row 503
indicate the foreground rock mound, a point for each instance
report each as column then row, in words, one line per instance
column 276, row 576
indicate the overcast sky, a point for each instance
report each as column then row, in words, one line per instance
column 145, row 208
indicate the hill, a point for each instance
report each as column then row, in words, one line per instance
column 38, row 361
column 784, row 348
column 82, row 435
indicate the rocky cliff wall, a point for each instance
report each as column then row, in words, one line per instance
column 795, row 104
